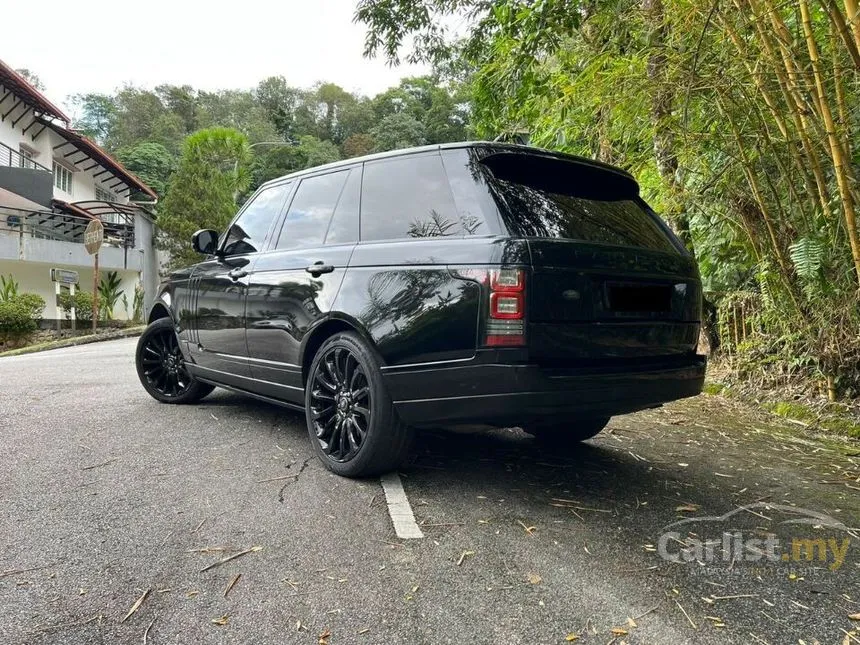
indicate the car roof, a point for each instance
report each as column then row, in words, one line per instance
column 490, row 146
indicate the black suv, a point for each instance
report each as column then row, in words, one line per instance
column 469, row 283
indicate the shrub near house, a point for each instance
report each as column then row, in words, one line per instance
column 19, row 316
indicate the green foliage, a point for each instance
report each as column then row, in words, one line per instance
column 110, row 290
column 212, row 172
column 97, row 114
column 137, row 303
column 19, row 316
column 8, row 288
column 398, row 130
column 150, row 161
column 83, row 303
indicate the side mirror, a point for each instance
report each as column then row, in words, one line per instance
column 205, row 241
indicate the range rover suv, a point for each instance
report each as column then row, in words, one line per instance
column 469, row 283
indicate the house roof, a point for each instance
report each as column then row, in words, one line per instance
column 12, row 80
column 94, row 152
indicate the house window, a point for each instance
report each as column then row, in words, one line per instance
column 25, row 158
column 63, row 178
column 103, row 195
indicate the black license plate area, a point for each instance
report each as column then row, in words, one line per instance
column 639, row 298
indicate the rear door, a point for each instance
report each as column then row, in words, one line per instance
column 609, row 280
column 294, row 285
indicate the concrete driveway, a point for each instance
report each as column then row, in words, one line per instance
column 109, row 498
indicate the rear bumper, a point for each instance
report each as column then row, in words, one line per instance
column 516, row 394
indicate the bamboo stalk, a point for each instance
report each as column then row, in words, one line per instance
column 837, row 20
column 842, row 171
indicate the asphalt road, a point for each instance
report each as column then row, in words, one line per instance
column 107, row 494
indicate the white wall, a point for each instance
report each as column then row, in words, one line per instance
column 83, row 183
column 34, row 277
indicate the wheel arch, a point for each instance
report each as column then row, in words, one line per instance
column 159, row 310
column 325, row 330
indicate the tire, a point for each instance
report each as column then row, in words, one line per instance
column 352, row 424
column 161, row 368
column 557, row 433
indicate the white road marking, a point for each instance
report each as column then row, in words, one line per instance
column 399, row 508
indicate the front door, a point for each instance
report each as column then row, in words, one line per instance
column 293, row 286
column 220, row 286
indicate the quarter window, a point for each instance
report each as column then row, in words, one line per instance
column 62, row 178
column 311, row 210
column 408, row 197
column 248, row 233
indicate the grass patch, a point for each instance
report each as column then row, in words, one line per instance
column 713, row 388
column 841, row 426
column 792, row 410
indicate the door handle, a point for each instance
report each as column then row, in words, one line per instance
column 236, row 274
column 318, row 268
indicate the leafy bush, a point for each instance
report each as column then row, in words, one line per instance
column 110, row 289
column 19, row 316
column 8, row 288
column 83, row 302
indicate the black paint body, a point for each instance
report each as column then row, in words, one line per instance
column 252, row 321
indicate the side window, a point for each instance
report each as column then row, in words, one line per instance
column 312, row 207
column 248, row 232
column 344, row 222
column 407, row 197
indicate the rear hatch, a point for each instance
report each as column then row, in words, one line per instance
column 609, row 282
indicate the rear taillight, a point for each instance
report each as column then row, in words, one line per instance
column 506, row 320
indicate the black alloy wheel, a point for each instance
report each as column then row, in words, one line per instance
column 161, row 367
column 341, row 405
column 352, row 423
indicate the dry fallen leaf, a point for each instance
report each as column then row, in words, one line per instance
column 529, row 529
column 463, row 557
column 571, row 637
column 689, row 508
column 854, row 616
column 534, row 578
column 232, row 584
column 324, row 637
column 618, row 631
column 136, row 605
column 221, row 621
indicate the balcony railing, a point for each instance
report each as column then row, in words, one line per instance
column 49, row 225
column 10, row 157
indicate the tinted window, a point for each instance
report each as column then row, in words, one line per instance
column 310, row 211
column 344, row 223
column 548, row 197
column 407, row 197
column 248, row 232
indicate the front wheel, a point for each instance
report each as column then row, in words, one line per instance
column 352, row 423
column 562, row 433
column 161, row 368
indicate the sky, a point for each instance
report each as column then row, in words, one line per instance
column 97, row 45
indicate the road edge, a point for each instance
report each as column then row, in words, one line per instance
column 72, row 342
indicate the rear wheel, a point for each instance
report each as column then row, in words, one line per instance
column 161, row 368
column 352, row 423
column 561, row 433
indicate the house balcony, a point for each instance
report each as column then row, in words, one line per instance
column 25, row 177
column 57, row 238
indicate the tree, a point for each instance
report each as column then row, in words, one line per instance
column 212, row 171
column 357, row 145
column 32, row 78
column 97, row 115
column 150, row 161
column 279, row 101
column 399, row 130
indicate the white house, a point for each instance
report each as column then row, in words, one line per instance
column 53, row 182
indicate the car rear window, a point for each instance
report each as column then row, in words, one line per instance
column 540, row 196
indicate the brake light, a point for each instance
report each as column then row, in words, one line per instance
column 506, row 321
